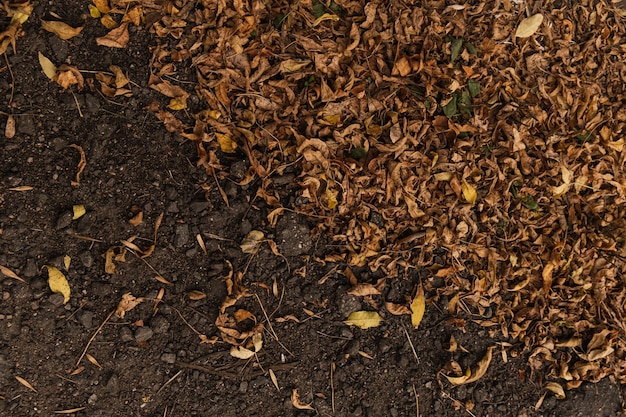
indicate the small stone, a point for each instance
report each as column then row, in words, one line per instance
column 113, row 384
column 143, row 334
column 198, row 206
column 348, row 304
column 172, row 207
column 56, row 300
column 159, row 324
column 92, row 399
column 64, row 220
column 181, row 235
column 243, row 387
column 126, row 334
column 30, row 270
column 171, row 193
column 168, row 358
column 384, row 346
column 86, row 258
column 85, row 318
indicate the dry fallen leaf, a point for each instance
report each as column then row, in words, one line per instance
column 25, row 383
column 9, row 129
column 195, row 295
column 127, row 303
column 529, row 26
column 241, row 352
column 252, row 242
column 469, row 192
column 227, row 144
column 7, row 272
column 117, row 38
column 557, row 389
column 364, row 319
column 470, row 377
column 58, row 283
column 418, row 306
column 79, row 211
column 295, row 401
column 48, row 67
column 61, row 29
column 81, row 164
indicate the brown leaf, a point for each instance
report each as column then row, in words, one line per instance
column 117, row 38
column 295, row 400
column 8, row 273
column 81, row 164
column 25, row 383
column 362, row 290
column 61, row 29
column 127, row 303
column 9, row 130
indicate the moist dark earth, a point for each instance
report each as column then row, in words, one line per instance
column 152, row 362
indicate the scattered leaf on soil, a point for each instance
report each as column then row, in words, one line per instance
column 25, row 383
column 8, row 273
column 61, row 29
column 364, row 319
column 127, row 303
column 81, row 164
column 295, row 400
column 195, row 295
column 470, row 377
column 252, row 242
column 557, row 389
column 9, row 129
column 58, row 283
column 418, row 306
column 117, row 38
column 79, row 211
column 48, row 67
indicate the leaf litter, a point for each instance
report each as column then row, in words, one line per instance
column 495, row 148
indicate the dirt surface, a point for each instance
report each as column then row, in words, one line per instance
column 152, row 361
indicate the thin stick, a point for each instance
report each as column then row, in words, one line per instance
column 93, row 337
column 332, row 386
column 80, row 113
column 169, row 381
column 269, row 323
column 417, row 402
column 12, row 78
column 411, row 344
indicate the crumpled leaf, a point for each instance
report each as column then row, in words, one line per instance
column 127, row 303
column 364, row 319
column 529, row 26
column 252, row 242
column 557, row 389
column 58, row 283
column 227, row 144
column 61, row 29
column 418, row 306
column 470, row 377
column 295, row 401
column 241, row 352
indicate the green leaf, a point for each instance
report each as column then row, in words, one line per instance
column 471, row 49
column 318, row 10
column 474, row 88
column 358, row 153
column 529, row 201
column 457, row 47
column 450, row 108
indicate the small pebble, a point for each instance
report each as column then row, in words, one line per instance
column 159, row 324
column 182, row 235
column 126, row 334
column 64, row 220
column 143, row 334
column 86, row 258
column 30, row 270
column 168, row 358
column 85, row 318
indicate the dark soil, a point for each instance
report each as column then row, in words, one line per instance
column 152, row 362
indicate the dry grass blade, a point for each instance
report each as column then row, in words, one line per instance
column 7, row 272
column 25, row 383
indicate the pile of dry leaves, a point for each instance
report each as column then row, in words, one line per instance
column 489, row 133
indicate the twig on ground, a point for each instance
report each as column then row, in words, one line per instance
column 94, row 336
column 332, row 386
column 411, row 344
column 417, row 402
column 269, row 324
column 169, row 381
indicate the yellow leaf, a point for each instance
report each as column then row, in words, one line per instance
column 102, row 5
column 557, row 389
column 79, row 211
column 108, row 22
column 529, row 26
column 67, row 261
column 241, row 352
column 481, row 369
column 295, row 400
column 227, row 145
column 443, row 176
column 120, row 78
column 331, row 199
column 61, row 29
column 325, row 16
column 178, row 103
column 48, row 67
column 364, row 319
column 252, row 241
column 418, row 306
column 469, row 192
column 22, row 14
column 94, row 12
column 58, row 283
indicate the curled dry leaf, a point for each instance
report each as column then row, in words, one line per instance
column 295, row 401
column 58, row 283
column 252, row 242
column 363, row 290
column 127, row 303
column 61, row 29
column 364, row 319
column 470, row 377
column 241, row 352
column 557, row 389
column 397, row 309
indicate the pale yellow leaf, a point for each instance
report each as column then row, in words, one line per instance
column 252, row 242
column 481, row 369
column 70, row 410
column 364, row 319
column 529, row 26
column 325, row 16
column 48, row 67
column 67, row 261
column 22, row 188
column 418, row 306
column 7, row 272
column 93, row 360
column 61, row 29
column 273, row 378
column 9, row 130
column 78, row 210
column 469, row 192
column 443, row 176
column 557, row 389
column 58, row 283
column 331, row 199
column 178, row 103
column 195, row 295
column 295, row 400
column 227, row 144
column 291, row 65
